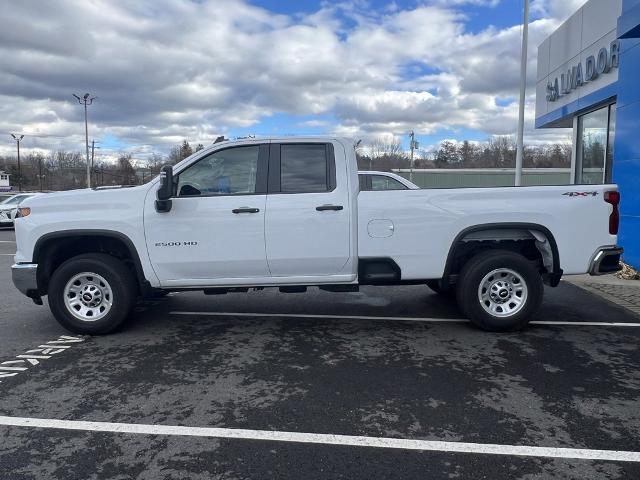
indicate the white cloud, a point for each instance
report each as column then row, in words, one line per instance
column 483, row 3
column 172, row 69
column 557, row 9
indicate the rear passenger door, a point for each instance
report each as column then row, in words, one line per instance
column 307, row 224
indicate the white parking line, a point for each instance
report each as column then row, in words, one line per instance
column 10, row 368
column 587, row 324
column 396, row 319
column 326, row 439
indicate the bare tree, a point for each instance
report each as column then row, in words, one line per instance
column 155, row 163
column 386, row 154
column 125, row 169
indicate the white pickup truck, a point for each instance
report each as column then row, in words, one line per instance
column 289, row 213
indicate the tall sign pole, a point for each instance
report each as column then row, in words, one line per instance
column 523, row 86
column 85, row 100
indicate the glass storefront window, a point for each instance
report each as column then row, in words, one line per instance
column 595, row 146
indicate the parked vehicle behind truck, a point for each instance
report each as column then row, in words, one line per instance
column 288, row 213
column 9, row 207
column 374, row 180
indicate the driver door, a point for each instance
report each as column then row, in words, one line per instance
column 214, row 233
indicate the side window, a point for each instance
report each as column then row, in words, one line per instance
column 227, row 172
column 380, row 182
column 362, row 179
column 304, row 168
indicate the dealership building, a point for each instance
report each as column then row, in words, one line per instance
column 588, row 79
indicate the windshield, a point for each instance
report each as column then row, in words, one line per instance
column 15, row 200
column 12, row 200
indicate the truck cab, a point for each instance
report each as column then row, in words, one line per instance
column 248, row 214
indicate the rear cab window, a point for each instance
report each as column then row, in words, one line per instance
column 302, row 168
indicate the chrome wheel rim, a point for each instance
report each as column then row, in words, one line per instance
column 88, row 296
column 502, row 292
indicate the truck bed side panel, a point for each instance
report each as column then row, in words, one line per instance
column 424, row 223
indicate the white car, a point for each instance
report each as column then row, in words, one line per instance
column 288, row 213
column 9, row 207
column 371, row 180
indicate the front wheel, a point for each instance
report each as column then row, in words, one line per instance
column 499, row 290
column 91, row 293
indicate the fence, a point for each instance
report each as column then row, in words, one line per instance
column 485, row 177
column 49, row 178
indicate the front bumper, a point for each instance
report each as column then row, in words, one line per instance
column 606, row 260
column 5, row 218
column 25, row 279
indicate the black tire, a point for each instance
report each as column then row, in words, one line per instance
column 120, row 280
column 449, row 293
column 471, row 277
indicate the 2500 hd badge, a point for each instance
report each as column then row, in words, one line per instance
column 176, row 244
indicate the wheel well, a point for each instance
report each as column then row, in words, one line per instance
column 533, row 242
column 53, row 251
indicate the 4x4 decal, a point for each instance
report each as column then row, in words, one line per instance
column 581, row 194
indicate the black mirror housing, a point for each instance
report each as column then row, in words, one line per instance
column 165, row 191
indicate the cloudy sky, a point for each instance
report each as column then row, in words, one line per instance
column 167, row 70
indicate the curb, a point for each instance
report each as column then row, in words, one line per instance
column 601, row 291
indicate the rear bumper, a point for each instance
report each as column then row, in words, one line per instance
column 24, row 276
column 606, row 260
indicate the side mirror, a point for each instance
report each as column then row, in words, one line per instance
column 165, row 191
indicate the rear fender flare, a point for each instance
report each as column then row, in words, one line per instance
column 545, row 241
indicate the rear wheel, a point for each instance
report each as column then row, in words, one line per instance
column 92, row 293
column 499, row 290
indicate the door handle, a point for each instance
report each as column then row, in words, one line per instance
column 322, row 208
column 245, row 210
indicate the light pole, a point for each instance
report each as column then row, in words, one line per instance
column 523, row 86
column 40, row 176
column 17, row 138
column 85, row 100
column 93, row 151
column 413, row 146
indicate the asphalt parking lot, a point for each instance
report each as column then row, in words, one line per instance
column 270, row 385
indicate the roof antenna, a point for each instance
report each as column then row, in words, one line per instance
column 220, row 139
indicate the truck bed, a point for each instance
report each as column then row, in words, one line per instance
column 420, row 226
